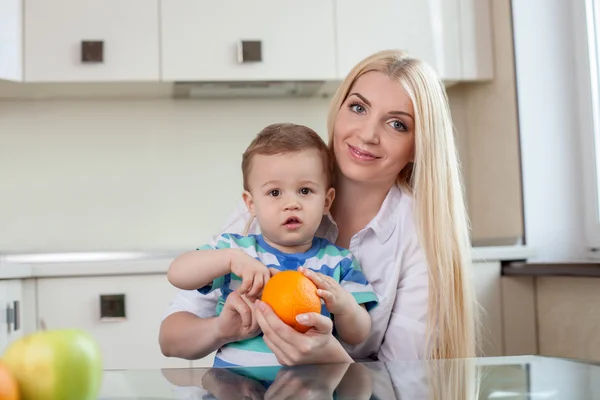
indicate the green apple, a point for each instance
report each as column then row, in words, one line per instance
column 56, row 364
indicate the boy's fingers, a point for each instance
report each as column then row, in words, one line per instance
column 316, row 278
column 325, row 295
column 246, row 284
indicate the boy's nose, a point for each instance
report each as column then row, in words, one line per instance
column 292, row 205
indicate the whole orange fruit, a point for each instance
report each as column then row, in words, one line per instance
column 9, row 388
column 290, row 293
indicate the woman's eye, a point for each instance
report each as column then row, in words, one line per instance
column 274, row 193
column 398, row 125
column 357, row 108
column 305, row 191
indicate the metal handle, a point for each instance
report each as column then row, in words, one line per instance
column 10, row 317
column 249, row 51
column 16, row 315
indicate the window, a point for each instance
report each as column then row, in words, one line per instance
column 586, row 24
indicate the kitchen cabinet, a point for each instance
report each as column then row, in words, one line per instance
column 453, row 36
column 488, row 291
column 235, row 40
column 79, row 41
column 122, row 312
column 247, row 40
column 11, row 314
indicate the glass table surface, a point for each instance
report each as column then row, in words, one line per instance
column 520, row 377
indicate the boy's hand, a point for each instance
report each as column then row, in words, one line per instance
column 254, row 274
column 338, row 300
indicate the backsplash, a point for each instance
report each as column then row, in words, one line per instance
column 121, row 175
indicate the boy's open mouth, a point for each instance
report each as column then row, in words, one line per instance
column 292, row 222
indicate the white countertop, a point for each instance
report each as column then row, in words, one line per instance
column 21, row 266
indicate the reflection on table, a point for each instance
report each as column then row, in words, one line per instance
column 523, row 377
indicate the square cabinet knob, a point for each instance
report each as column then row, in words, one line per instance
column 92, row 51
column 250, row 51
column 112, row 307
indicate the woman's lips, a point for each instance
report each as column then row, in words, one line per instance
column 361, row 155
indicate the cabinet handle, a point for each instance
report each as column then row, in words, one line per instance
column 249, row 51
column 9, row 318
column 112, row 307
column 92, row 51
column 17, row 315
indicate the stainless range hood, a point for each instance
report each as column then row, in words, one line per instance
column 252, row 89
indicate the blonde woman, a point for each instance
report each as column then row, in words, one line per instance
column 399, row 208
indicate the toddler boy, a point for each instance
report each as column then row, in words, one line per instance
column 288, row 187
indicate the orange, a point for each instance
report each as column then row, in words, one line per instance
column 9, row 388
column 290, row 293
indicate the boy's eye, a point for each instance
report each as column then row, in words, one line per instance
column 274, row 192
column 305, row 190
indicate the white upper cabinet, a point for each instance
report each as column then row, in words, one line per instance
column 247, row 40
column 236, row 40
column 79, row 40
column 11, row 51
column 438, row 32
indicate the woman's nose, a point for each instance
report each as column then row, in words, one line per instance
column 368, row 133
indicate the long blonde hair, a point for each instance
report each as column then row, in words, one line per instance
column 434, row 180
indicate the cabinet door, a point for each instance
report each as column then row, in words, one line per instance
column 127, row 330
column 419, row 27
column 11, row 44
column 11, row 312
column 201, row 39
column 486, row 276
column 127, row 30
column 14, row 297
column 4, row 320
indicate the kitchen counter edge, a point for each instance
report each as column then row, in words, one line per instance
column 48, row 265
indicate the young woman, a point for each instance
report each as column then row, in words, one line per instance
column 399, row 208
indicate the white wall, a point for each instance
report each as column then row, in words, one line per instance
column 148, row 174
column 549, row 129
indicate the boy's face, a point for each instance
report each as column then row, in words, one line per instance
column 288, row 196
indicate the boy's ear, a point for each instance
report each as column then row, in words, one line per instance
column 247, row 196
column 329, row 197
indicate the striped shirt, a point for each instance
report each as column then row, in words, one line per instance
column 323, row 256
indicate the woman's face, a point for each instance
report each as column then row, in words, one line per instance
column 373, row 137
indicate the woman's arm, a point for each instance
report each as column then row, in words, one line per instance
column 178, row 336
column 185, row 335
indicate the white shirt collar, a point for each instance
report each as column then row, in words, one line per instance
column 383, row 225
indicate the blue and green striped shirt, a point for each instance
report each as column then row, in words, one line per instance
column 323, row 256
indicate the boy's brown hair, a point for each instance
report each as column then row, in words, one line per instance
column 284, row 138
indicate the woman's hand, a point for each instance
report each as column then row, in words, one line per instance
column 352, row 381
column 225, row 384
column 307, row 382
column 316, row 346
column 236, row 321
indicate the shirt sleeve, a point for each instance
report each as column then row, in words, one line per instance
column 223, row 241
column 353, row 280
column 406, row 331
column 205, row 305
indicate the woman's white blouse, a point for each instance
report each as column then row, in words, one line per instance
column 393, row 262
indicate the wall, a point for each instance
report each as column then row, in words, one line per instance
column 147, row 174
column 134, row 174
column 138, row 174
column 546, row 66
